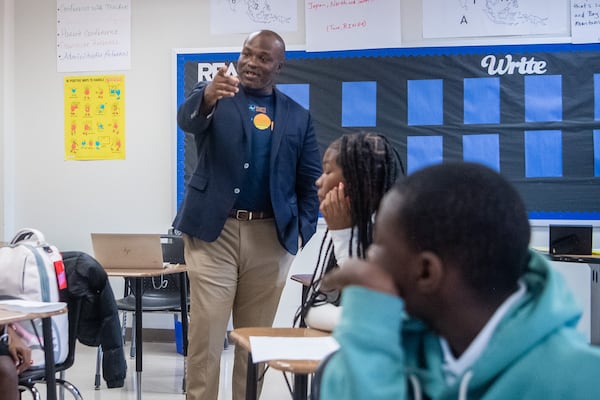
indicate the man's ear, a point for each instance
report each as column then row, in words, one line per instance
column 431, row 272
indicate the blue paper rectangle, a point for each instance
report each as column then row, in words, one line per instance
column 425, row 102
column 423, row 151
column 543, row 154
column 543, row 98
column 483, row 149
column 596, row 152
column 299, row 92
column 359, row 104
column 481, row 100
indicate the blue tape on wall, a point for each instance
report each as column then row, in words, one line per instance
column 596, row 152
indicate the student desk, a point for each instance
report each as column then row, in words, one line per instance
column 300, row 368
column 7, row 317
column 593, row 262
column 138, row 275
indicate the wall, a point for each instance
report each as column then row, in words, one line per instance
column 69, row 199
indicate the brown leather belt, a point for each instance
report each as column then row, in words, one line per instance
column 245, row 215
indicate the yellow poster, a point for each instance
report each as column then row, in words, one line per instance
column 95, row 117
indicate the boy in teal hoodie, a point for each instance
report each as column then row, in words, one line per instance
column 451, row 303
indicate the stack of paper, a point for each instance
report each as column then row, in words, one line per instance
column 27, row 306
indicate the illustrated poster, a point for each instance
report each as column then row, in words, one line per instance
column 94, row 117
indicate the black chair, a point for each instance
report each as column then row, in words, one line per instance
column 315, row 389
column 28, row 379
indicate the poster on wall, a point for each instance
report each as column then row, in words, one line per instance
column 245, row 16
column 94, row 117
column 347, row 25
column 585, row 21
column 93, row 35
column 469, row 18
column 531, row 112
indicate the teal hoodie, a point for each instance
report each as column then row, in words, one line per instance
column 534, row 353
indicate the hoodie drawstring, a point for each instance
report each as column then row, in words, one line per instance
column 416, row 386
column 464, row 385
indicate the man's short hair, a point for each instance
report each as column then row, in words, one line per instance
column 472, row 218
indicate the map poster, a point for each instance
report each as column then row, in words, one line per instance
column 94, row 117
column 468, row 18
column 245, row 16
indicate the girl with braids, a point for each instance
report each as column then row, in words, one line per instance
column 358, row 169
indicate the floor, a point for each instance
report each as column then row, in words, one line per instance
column 161, row 377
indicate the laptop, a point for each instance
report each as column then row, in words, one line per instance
column 129, row 250
column 570, row 239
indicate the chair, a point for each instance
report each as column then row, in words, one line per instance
column 315, row 389
column 28, row 379
column 159, row 294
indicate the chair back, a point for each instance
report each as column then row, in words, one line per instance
column 73, row 312
column 315, row 390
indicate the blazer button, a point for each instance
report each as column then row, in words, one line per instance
column 236, row 190
column 246, row 165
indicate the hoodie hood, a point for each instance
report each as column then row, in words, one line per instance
column 547, row 307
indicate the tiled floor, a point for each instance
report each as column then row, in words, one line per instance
column 161, row 377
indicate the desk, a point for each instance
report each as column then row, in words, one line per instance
column 593, row 262
column 7, row 317
column 138, row 275
column 300, row 368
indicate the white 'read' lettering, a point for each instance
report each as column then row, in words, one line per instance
column 506, row 65
column 206, row 71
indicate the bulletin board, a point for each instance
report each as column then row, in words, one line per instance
column 531, row 112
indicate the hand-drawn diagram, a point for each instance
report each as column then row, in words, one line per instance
column 241, row 16
column 259, row 11
column 493, row 18
column 506, row 12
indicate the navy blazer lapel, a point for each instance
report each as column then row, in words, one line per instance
column 281, row 111
column 241, row 102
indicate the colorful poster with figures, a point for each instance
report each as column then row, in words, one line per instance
column 94, row 117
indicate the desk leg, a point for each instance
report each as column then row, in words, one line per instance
column 184, row 324
column 138, row 336
column 251, row 379
column 49, row 358
column 595, row 304
column 300, row 387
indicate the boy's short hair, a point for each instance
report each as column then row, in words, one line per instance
column 472, row 218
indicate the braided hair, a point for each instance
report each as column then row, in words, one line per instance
column 370, row 166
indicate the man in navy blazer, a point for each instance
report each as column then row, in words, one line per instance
column 248, row 204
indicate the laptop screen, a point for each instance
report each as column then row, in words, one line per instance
column 570, row 239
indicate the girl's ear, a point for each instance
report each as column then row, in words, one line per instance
column 430, row 272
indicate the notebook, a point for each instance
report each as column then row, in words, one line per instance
column 128, row 250
column 570, row 239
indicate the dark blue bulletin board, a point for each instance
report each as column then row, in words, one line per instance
column 532, row 112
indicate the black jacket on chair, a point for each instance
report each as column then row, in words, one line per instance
column 99, row 319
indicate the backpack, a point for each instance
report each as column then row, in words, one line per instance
column 33, row 270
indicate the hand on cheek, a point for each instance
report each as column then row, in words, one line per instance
column 335, row 208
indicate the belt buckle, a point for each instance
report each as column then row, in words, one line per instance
column 243, row 215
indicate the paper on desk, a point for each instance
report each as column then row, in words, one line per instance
column 266, row 348
column 27, row 306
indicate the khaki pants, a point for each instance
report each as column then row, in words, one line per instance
column 243, row 272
